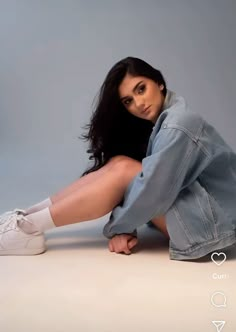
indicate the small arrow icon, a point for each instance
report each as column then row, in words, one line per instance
column 219, row 324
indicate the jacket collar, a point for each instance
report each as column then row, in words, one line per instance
column 169, row 99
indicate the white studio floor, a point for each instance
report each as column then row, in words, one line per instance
column 79, row 285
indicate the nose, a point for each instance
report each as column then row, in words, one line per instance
column 139, row 102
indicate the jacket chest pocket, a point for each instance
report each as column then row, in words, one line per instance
column 191, row 219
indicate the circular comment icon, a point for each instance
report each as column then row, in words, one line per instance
column 218, row 299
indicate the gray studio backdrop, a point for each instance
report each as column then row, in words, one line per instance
column 54, row 56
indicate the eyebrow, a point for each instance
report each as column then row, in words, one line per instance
column 132, row 90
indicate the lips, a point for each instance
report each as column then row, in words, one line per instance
column 145, row 109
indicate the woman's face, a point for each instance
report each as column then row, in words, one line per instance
column 138, row 93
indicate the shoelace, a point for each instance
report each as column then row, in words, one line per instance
column 3, row 218
column 11, row 222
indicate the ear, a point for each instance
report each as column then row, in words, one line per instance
column 161, row 87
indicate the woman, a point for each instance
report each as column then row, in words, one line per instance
column 156, row 162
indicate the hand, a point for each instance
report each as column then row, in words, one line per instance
column 122, row 243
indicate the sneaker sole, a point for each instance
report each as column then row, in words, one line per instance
column 23, row 252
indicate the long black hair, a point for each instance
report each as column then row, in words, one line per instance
column 112, row 129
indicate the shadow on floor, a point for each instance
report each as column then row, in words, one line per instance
column 150, row 240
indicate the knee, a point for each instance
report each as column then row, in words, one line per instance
column 117, row 159
column 126, row 165
column 122, row 159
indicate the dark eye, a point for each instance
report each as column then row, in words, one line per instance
column 125, row 102
column 142, row 87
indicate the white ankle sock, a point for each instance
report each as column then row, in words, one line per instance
column 40, row 220
column 39, row 206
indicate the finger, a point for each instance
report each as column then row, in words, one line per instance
column 126, row 249
column 132, row 243
column 120, row 245
column 124, row 245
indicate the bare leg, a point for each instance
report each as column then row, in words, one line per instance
column 85, row 180
column 160, row 223
column 97, row 195
column 78, row 184
column 111, row 171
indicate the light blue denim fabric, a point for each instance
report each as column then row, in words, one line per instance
column 188, row 175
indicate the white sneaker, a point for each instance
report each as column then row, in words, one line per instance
column 14, row 241
column 5, row 215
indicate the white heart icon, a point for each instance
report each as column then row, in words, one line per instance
column 218, row 254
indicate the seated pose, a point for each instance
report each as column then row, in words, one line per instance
column 156, row 162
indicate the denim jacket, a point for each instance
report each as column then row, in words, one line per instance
column 188, row 175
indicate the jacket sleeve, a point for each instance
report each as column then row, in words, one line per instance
column 176, row 161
